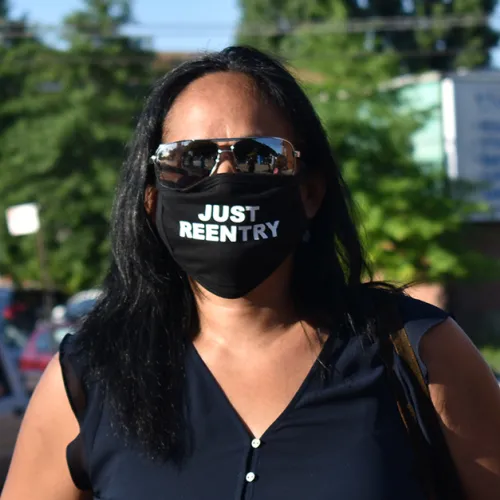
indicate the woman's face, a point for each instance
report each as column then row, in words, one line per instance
column 229, row 105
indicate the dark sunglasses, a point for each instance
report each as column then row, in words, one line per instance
column 180, row 165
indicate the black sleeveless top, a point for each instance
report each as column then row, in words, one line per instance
column 341, row 437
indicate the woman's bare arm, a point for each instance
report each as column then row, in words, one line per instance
column 467, row 398
column 39, row 470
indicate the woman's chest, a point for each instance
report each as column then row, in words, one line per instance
column 324, row 448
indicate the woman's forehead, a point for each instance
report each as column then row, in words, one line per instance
column 223, row 105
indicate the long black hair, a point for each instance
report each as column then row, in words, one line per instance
column 136, row 337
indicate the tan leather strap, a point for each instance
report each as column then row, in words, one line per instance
column 405, row 351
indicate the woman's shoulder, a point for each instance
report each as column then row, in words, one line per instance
column 396, row 308
column 48, row 425
column 80, row 387
column 419, row 318
column 466, row 397
column 413, row 309
column 415, row 315
column 72, row 355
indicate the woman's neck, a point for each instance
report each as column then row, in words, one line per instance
column 258, row 319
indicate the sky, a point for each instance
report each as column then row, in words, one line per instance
column 173, row 25
column 176, row 25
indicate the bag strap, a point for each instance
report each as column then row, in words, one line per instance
column 393, row 345
column 435, row 453
column 404, row 350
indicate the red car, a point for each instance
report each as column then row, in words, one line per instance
column 39, row 350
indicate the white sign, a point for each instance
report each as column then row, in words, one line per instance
column 471, row 125
column 23, row 219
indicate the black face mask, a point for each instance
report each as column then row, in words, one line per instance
column 230, row 232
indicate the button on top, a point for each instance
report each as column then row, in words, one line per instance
column 250, row 477
column 256, row 443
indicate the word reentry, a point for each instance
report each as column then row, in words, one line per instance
column 213, row 227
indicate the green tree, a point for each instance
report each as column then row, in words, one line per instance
column 410, row 223
column 15, row 41
column 73, row 117
column 16, row 44
column 460, row 35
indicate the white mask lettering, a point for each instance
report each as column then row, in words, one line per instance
column 216, row 230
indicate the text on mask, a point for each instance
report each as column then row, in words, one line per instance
column 212, row 225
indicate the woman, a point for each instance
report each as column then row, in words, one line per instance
column 235, row 352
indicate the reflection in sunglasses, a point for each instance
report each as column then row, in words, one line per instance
column 185, row 163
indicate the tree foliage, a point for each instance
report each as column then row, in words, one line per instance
column 410, row 223
column 69, row 117
column 66, row 115
column 460, row 36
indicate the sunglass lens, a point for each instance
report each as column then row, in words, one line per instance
column 181, row 165
column 263, row 156
column 199, row 157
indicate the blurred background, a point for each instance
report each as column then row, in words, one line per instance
column 408, row 91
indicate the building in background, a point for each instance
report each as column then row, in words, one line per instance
column 461, row 136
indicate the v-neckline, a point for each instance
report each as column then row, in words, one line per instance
column 235, row 415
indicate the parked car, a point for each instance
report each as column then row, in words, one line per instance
column 20, row 310
column 46, row 337
column 13, row 402
column 80, row 304
column 39, row 350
